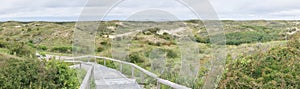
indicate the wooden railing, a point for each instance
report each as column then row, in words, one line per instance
column 86, row 81
column 133, row 67
column 85, row 84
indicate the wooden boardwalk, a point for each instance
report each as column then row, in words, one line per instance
column 108, row 78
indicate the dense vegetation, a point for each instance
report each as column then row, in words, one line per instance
column 276, row 68
column 19, row 68
column 270, row 66
column 18, row 73
column 238, row 38
column 20, row 49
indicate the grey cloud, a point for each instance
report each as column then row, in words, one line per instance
column 256, row 8
column 228, row 9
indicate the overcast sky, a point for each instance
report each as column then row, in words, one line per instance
column 70, row 10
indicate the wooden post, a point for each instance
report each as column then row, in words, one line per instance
column 158, row 85
column 121, row 66
column 80, row 65
column 132, row 72
column 142, row 77
column 104, row 62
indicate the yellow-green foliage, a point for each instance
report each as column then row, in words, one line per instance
column 20, row 49
column 277, row 68
column 36, row 74
column 62, row 49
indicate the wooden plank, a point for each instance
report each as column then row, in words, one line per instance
column 159, row 80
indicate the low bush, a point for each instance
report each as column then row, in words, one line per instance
column 42, row 47
column 295, row 41
column 108, row 63
column 202, row 39
column 62, row 49
column 135, row 58
column 170, row 53
column 152, row 30
column 43, row 54
column 21, row 49
column 31, row 45
column 18, row 48
column 166, row 36
column 104, row 43
column 277, row 68
column 36, row 74
column 100, row 49
column 238, row 38
column 3, row 44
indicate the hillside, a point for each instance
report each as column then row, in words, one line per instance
column 252, row 41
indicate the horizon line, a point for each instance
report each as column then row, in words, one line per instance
column 147, row 20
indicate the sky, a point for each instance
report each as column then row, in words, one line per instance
column 71, row 10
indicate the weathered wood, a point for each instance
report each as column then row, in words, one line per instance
column 86, row 83
column 157, row 85
column 159, row 80
column 132, row 72
column 121, row 67
column 142, row 77
column 104, row 62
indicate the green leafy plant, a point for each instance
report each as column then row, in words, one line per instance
column 277, row 68
column 36, row 74
column 62, row 49
column 42, row 47
column 21, row 50
column 238, row 38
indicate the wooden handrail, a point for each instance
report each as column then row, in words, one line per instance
column 159, row 80
column 86, row 81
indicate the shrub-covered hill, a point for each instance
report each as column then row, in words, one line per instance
column 51, row 36
column 277, row 68
column 23, row 38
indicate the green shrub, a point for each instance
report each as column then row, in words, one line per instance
column 135, row 58
column 62, row 49
column 279, row 67
column 153, row 30
column 29, row 30
column 202, row 39
column 100, row 49
column 36, row 74
column 31, row 45
column 43, row 54
column 21, row 50
column 42, row 47
column 109, row 63
column 104, row 43
column 147, row 33
column 238, row 38
column 30, row 41
column 295, row 41
column 166, row 36
column 158, row 43
column 170, row 53
column 256, row 28
column 194, row 21
column 3, row 44
column 18, row 48
column 61, row 74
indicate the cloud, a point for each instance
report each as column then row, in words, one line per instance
column 146, row 7
column 71, row 9
column 256, row 9
column 10, row 9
